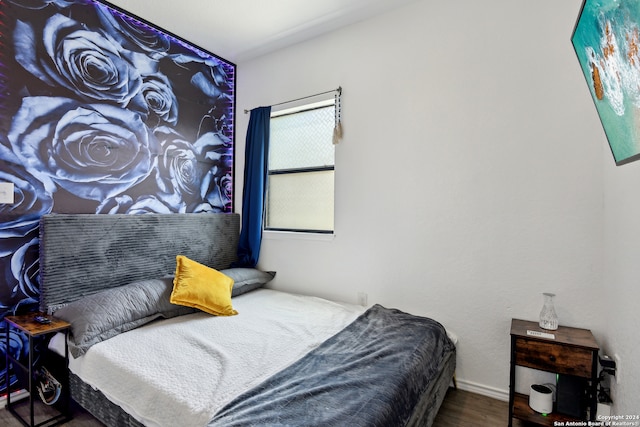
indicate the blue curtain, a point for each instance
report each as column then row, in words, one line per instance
column 255, row 186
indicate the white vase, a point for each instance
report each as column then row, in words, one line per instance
column 548, row 316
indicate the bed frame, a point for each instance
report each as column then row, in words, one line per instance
column 84, row 254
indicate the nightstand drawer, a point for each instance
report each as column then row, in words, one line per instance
column 549, row 356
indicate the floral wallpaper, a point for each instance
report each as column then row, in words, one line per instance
column 101, row 112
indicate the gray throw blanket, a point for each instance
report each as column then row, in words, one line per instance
column 370, row 374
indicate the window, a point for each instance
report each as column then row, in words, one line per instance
column 301, row 169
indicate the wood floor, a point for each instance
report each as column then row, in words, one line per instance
column 459, row 409
column 464, row 409
column 81, row 418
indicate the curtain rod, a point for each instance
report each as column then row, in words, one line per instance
column 339, row 90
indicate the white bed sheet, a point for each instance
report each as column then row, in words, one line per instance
column 208, row 360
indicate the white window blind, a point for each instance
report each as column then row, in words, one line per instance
column 300, row 193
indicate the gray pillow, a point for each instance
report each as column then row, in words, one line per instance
column 247, row 279
column 105, row 314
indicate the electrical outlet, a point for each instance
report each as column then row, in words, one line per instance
column 6, row 192
column 618, row 368
column 362, row 298
column 608, row 365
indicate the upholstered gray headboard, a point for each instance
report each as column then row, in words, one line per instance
column 83, row 254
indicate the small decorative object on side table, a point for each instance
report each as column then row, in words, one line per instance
column 571, row 352
column 36, row 325
column 548, row 316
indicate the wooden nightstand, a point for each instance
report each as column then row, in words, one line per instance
column 573, row 352
column 27, row 325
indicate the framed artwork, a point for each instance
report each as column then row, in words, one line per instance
column 606, row 39
column 102, row 112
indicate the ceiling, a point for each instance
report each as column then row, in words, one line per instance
column 239, row 30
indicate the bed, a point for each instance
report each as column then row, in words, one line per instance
column 283, row 359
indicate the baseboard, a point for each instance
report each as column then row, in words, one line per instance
column 15, row 396
column 484, row 390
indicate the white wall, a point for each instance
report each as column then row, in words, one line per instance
column 470, row 177
column 621, row 279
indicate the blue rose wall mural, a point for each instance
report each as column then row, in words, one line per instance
column 103, row 113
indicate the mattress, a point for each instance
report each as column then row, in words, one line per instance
column 181, row 371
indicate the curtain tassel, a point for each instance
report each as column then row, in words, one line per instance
column 337, row 129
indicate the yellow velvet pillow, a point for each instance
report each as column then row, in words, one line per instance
column 198, row 286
